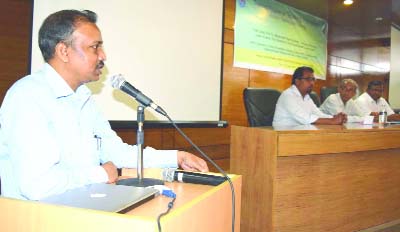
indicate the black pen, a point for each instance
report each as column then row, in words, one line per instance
column 98, row 140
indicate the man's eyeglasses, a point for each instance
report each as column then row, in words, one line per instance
column 379, row 90
column 307, row 78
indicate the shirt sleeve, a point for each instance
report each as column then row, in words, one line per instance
column 363, row 105
column 329, row 107
column 316, row 111
column 300, row 114
column 356, row 114
column 387, row 107
column 125, row 155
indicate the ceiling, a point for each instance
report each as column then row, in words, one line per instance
column 359, row 32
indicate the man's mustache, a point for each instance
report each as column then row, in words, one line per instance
column 100, row 65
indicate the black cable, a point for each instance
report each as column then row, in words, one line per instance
column 213, row 163
column 170, row 205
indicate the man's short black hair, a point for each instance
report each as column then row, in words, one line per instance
column 298, row 73
column 374, row 83
column 58, row 27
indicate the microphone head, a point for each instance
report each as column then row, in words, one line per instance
column 168, row 174
column 116, row 81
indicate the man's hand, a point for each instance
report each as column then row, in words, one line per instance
column 190, row 162
column 376, row 116
column 340, row 118
column 111, row 171
column 393, row 117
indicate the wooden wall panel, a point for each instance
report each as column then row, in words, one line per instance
column 269, row 80
column 15, row 18
column 215, row 151
column 228, row 36
column 230, row 14
column 152, row 137
column 223, row 163
column 218, row 153
column 214, row 142
column 4, row 85
column 14, row 54
column 277, row 81
column 168, row 138
column 203, row 136
column 14, row 41
column 234, row 82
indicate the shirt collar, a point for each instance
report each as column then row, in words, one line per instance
column 339, row 99
column 370, row 99
column 296, row 91
column 60, row 87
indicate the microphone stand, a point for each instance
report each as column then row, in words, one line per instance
column 140, row 181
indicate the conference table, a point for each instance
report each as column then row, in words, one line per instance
column 317, row 178
column 197, row 208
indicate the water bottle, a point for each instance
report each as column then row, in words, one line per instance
column 382, row 116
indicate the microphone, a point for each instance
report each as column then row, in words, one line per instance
column 191, row 177
column 119, row 82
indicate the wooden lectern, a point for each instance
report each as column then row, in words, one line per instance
column 197, row 208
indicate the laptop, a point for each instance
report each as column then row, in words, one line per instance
column 104, row 197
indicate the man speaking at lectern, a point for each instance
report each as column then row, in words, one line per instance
column 53, row 137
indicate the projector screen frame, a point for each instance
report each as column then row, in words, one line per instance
column 120, row 124
column 166, row 124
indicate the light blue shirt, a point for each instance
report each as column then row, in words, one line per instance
column 53, row 139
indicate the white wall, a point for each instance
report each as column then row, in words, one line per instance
column 168, row 49
column 394, row 86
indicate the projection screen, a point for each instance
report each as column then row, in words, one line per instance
column 170, row 50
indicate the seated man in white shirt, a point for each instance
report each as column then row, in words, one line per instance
column 372, row 102
column 343, row 102
column 295, row 107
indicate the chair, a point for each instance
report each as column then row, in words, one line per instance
column 315, row 98
column 326, row 91
column 260, row 105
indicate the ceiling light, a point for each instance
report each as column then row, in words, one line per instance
column 348, row 2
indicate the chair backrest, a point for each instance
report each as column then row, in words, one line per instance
column 326, row 91
column 260, row 105
column 315, row 98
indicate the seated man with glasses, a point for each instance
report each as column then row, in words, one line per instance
column 372, row 102
column 343, row 102
column 295, row 106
